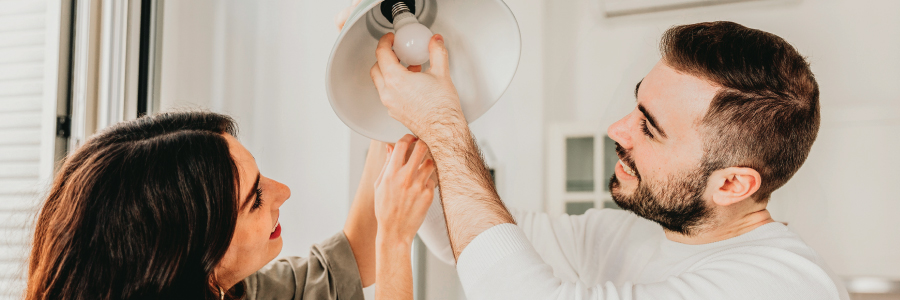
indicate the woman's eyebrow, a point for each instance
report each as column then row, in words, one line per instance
column 249, row 198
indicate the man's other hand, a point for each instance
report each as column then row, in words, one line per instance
column 342, row 16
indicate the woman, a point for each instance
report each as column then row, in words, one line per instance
column 174, row 207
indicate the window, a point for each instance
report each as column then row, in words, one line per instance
column 110, row 49
column 32, row 34
column 580, row 161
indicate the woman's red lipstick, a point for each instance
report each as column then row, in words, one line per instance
column 276, row 233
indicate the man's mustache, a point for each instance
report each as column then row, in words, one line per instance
column 625, row 157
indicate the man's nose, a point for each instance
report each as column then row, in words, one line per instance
column 618, row 132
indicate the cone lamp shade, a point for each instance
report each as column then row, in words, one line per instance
column 481, row 36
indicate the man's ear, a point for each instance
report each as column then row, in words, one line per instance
column 733, row 185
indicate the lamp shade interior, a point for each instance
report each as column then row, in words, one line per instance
column 481, row 36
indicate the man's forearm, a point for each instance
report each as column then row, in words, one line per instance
column 470, row 200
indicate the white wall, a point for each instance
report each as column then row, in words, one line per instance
column 841, row 202
column 263, row 62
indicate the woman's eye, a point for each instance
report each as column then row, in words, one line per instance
column 645, row 129
column 258, row 201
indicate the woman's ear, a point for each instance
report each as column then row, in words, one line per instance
column 733, row 185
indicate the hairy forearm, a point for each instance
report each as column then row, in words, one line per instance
column 361, row 225
column 394, row 269
column 469, row 197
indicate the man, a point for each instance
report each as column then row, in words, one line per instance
column 725, row 118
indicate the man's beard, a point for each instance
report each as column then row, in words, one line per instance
column 677, row 205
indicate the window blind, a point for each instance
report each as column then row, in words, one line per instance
column 23, row 36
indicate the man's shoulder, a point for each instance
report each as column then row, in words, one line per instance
column 772, row 236
column 774, row 254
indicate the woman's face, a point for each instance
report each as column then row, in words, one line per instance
column 257, row 235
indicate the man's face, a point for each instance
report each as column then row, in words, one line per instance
column 658, row 176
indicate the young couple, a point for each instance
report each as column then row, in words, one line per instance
column 173, row 207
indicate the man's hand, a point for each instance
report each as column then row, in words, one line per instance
column 427, row 104
column 419, row 100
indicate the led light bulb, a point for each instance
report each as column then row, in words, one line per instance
column 410, row 37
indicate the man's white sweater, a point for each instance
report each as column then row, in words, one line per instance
column 613, row 254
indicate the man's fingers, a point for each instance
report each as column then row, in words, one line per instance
column 387, row 60
column 377, row 78
column 440, row 60
column 414, row 68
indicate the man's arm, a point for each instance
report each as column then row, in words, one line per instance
column 427, row 103
column 470, row 201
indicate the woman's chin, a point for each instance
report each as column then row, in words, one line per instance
column 275, row 246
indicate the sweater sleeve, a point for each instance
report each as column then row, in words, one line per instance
column 502, row 264
column 435, row 236
column 330, row 272
column 559, row 238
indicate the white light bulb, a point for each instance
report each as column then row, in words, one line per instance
column 410, row 37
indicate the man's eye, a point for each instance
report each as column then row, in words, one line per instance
column 645, row 129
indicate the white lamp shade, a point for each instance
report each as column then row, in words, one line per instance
column 481, row 36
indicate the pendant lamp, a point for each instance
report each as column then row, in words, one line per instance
column 481, row 36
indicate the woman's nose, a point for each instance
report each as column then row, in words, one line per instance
column 282, row 192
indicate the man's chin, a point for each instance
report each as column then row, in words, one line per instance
column 622, row 195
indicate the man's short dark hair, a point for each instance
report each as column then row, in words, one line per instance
column 766, row 114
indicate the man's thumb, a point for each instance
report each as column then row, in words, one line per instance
column 440, row 61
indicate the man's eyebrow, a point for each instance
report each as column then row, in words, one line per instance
column 636, row 87
column 252, row 193
column 652, row 120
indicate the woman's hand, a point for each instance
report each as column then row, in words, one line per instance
column 403, row 191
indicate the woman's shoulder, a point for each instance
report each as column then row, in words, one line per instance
column 329, row 272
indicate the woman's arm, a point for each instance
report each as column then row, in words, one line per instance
column 361, row 225
column 403, row 194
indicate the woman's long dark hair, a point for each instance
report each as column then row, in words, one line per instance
column 143, row 210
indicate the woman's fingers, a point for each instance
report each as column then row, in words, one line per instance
column 398, row 158
column 418, row 154
column 425, row 171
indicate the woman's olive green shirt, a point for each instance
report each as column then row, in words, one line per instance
column 330, row 272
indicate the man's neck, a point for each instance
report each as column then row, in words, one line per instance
column 724, row 230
